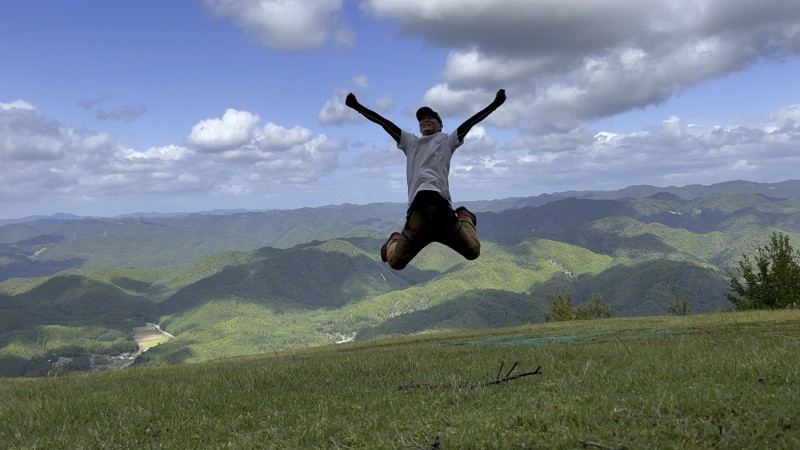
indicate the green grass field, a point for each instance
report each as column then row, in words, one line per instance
column 726, row 380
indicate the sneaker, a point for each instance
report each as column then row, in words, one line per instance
column 394, row 237
column 462, row 212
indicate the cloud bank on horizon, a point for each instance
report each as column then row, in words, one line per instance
column 584, row 80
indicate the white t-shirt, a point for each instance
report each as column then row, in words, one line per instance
column 428, row 162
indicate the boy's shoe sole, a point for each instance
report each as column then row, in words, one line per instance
column 395, row 236
column 462, row 212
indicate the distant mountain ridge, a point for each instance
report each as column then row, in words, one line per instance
column 781, row 189
column 46, row 246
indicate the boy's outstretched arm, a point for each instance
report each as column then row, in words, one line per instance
column 391, row 128
column 464, row 128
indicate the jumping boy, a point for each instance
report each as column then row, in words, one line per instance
column 430, row 217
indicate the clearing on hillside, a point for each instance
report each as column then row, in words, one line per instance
column 149, row 336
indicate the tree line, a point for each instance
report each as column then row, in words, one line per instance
column 768, row 280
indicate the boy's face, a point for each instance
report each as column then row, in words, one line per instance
column 429, row 125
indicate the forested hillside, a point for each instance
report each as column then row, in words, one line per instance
column 251, row 282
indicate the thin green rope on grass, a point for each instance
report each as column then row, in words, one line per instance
column 534, row 341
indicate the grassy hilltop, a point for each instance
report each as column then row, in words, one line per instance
column 721, row 380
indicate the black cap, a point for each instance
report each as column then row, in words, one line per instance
column 425, row 111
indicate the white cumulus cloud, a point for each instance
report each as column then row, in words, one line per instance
column 289, row 25
column 570, row 61
column 233, row 129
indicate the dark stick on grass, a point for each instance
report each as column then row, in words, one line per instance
column 497, row 380
column 509, row 377
column 623, row 344
column 510, row 370
column 499, row 370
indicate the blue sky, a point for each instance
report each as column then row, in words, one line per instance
column 115, row 107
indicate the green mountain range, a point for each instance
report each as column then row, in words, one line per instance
column 252, row 282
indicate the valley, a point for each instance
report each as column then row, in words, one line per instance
column 260, row 282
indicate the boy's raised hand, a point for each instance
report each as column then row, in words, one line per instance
column 500, row 98
column 351, row 101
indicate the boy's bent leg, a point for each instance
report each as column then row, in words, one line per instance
column 390, row 243
column 398, row 254
column 408, row 245
column 462, row 212
column 464, row 237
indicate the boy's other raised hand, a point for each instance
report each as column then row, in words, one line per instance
column 500, row 98
column 351, row 101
